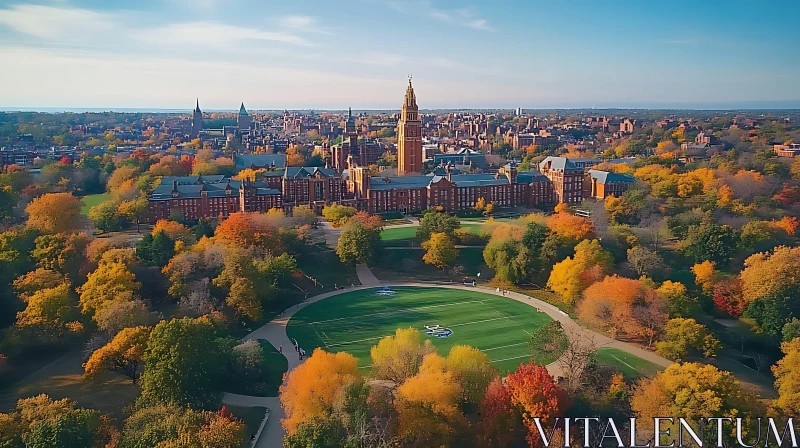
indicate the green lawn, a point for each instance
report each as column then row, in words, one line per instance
column 251, row 417
column 92, row 200
column 275, row 365
column 355, row 321
column 406, row 264
column 630, row 366
column 391, row 234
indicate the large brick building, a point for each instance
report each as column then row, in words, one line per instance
column 452, row 192
column 195, row 197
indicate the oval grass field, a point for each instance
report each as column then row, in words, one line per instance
column 355, row 321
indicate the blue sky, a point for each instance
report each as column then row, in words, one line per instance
column 324, row 54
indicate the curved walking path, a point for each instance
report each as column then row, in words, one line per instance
column 275, row 333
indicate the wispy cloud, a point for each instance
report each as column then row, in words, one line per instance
column 62, row 23
column 213, row 34
column 304, row 23
column 468, row 17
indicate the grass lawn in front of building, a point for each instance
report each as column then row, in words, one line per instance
column 92, row 200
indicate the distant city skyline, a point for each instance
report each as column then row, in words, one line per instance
column 318, row 55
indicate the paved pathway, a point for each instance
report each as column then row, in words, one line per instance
column 275, row 333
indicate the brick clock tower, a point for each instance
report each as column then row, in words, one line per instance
column 409, row 136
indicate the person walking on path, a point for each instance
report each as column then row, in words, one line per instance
column 280, row 349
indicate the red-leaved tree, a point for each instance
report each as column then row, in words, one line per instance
column 500, row 419
column 535, row 394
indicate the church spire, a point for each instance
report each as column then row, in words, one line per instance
column 197, row 107
column 242, row 110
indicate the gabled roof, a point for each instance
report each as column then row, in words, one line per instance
column 242, row 110
column 605, row 177
column 559, row 164
column 243, row 161
column 308, row 171
column 527, row 177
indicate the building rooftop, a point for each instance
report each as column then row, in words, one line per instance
column 605, row 177
column 243, row 161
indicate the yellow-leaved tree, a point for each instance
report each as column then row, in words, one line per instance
column 439, row 250
column 397, row 358
column 313, row 388
column 787, row 378
column 472, row 370
column 124, row 354
column 570, row 277
column 691, row 391
column 427, row 405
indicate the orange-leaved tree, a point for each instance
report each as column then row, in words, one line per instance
column 54, row 212
column 500, row 418
column 574, row 274
column 124, row 354
column 313, row 388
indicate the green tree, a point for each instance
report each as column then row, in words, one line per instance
column 338, row 214
column 105, row 216
column 710, row 242
column 509, row 259
column 156, row 250
column 318, row 432
column 71, row 430
column 434, row 221
column 134, row 211
column 184, row 363
column 358, row 243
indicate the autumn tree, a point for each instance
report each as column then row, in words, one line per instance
column 427, row 405
column 134, row 210
column 500, row 419
column 51, row 312
column 312, row 388
column 681, row 334
column 787, row 378
column 508, row 257
column 727, row 297
column 439, row 251
column 706, row 275
column 105, row 217
column 337, row 214
column 30, row 283
column 473, row 371
column 62, row 252
column 679, row 302
column 571, row 226
column 535, row 394
column 245, row 229
column 623, row 306
column 172, row 426
column 766, row 273
column 124, row 354
column 155, row 250
column 40, row 422
column 573, row 275
column 54, row 213
column 397, row 358
column 112, row 280
column 174, row 230
column 691, row 391
column 183, row 363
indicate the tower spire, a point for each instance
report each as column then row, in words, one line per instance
column 197, row 107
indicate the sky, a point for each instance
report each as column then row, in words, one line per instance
column 323, row 54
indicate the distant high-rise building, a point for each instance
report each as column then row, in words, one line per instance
column 197, row 120
column 409, row 136
column 243, row 120
column 519, row 111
